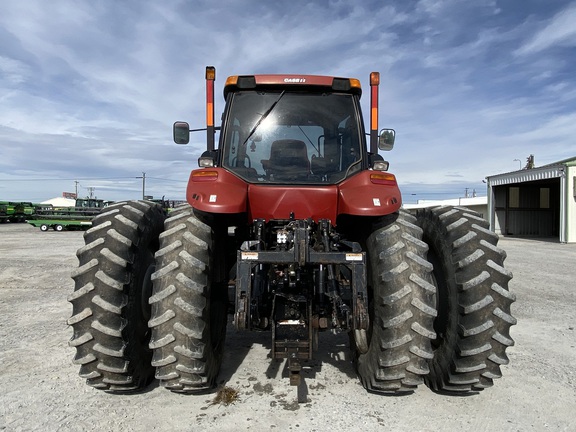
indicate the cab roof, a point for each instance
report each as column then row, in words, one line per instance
column 312, row 83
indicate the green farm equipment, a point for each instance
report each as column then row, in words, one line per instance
column 80, row 216
column 15, row 211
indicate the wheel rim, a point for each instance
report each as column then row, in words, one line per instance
column 361, row 340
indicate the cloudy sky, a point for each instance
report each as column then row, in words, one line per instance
column 89, row 90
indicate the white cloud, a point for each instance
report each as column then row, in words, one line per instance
column 13, row 71
column 90, row 89
column 559, row 31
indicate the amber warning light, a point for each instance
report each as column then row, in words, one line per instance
column 210, row 77
column 374, row 83
column 210, row 73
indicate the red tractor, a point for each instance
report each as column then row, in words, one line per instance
column 295, row 226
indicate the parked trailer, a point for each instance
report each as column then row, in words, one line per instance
column 60, row 224
column 79, row 216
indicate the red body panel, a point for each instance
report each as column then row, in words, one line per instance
column 277, row 202
column 226, row 193
column 294, row 79
column 215, row 190
column 359, row 196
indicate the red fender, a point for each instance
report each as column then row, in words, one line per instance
column 215, row 190
column 369, row 193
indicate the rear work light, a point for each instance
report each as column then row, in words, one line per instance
column 206, row 162
column 204, row 175
column 383, row 178
column 381, row 166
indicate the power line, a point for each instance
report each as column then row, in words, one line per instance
column 165, row 179
column 66, row 179
column 91, row 178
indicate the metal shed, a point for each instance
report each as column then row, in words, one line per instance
column 536, row 202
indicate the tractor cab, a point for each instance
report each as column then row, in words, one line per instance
column 284, row 129
column 286, row 136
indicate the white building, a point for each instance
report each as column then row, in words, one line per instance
column 537, row 202
column 60, row 202
column 479, row 204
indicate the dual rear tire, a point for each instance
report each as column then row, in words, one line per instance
column 189, row 309
column 440, row 304
column 401, row 308
column 473, row 301
column 145, row 302
column 110, row 300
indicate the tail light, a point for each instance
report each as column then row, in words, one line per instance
column 383, row 178
column 204, row 175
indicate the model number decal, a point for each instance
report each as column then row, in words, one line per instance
column 249, row 255
column 353, row 257
column 294, row 80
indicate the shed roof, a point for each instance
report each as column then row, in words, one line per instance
column 552, row 170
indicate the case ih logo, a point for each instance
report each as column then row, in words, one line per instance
column 295, row 80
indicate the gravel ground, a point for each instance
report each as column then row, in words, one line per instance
column 40, row 388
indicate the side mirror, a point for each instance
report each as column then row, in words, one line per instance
column 181, row 133
column 386, row 139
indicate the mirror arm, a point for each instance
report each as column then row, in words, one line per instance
column 216, row 128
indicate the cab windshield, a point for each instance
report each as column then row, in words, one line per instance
column 281, row 137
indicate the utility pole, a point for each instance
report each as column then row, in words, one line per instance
column 76, row 188
column 143, row 184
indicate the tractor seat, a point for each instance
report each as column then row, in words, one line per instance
column 288, row 160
